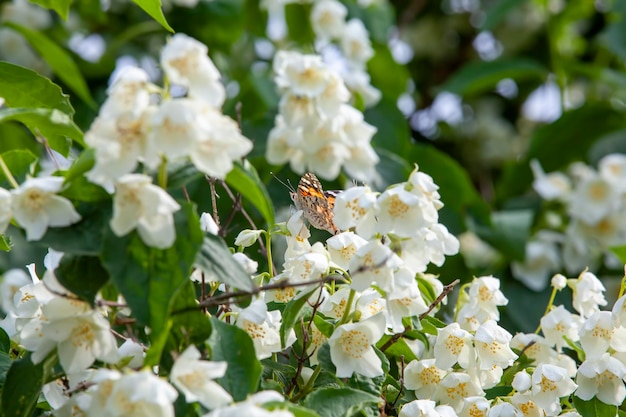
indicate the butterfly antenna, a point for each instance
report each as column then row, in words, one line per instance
column 285, row 184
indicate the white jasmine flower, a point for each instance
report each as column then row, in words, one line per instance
column 485, row 294
column 263, row 327
column 492, row 346
column 541, row 260
column 549, row 384
column 186, row 63
column 521, row 381
column 599, row 332
column 404, row 300
column 304, row 75
column 133, row 350
column 554, row 186
column 194, row 378
column 356, row 207
column 535, row 347
column 36, row 206
column 12, row 281
column 421, row 408
column 174, row 127
column 593, row 199
column 328, row 19
column 476, row 406
column 351, row 347
column 371, row 303
column 403, row 213
column 355, row 42
column 139, row 204
column 423, row 377
column 374, row 263
column 454, row 345
column 128, row 96
column 559, row 323
column 588, row 293
column 602, row 377
column 335, row 305
column 246, row 263
column 253, row 406
column 343, row 246
column 505, row 410
column 454, row 388
column 613, row 169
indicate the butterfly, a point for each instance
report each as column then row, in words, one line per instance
column 315, row 203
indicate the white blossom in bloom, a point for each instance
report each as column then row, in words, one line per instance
column 80, row 335
column 428, row 245
column 492, row 346
column 454, row 345
column 554, row 186
column 419, row 408
column 5, row 210
column 599, row 332
column 602, row 377
column 612, row 168
column 558, row 323
column 404, row 300
column 454, row 388
column 342, row 247
column 12, row 281
column 328, row 19
column 423, row 377
column 485, row 295
column 263, row 327
column 335, row 305
column 247, row 237
column 246, row 263
column 305, row 75
column 355, row 42
column 525, row 403
column 549, row 384
column 541, row 260
column 588, row 293
column 174, row 128
column 356, row 207
column 310, row 265
column 194, row 378
column 186, row 63
column 351, row 347
column 374, row 263
column 128, row 96
column 476, row 406
column 358, row 81
column 138, row 394
column 139, row 204
column 253, row 406
column 593, row 199
column 535, row 347
column 36, row 206
column 218, row 144
column 505, row 410
column 403, row 213
column 371, row 303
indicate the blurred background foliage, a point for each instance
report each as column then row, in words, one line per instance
column 472, row 91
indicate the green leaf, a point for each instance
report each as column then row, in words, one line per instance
column 22, row 387
column 398, row 349
column 149, row 278
column 52, row 124
column 620, row 252
column 22, row 87
column 482, row 76
column 82, row 275
column 5, row 243
column 19, row 163
column 153, row 8
column 182, row 175
column 59, row 60
column 80, row 189
column 296, row 410
column 216, row 261
column 246, row 181
column 233, row 345
column 5, row 341
column 509, row 232
column 85, row 161
column 594, row 408
column 614, row 34
column 84, row 237
column 62, row 7
column 5, row 364
column 339, row 402
column 498, row 11
column 299, row 23
column 381, row 66
column 292, row 312
column 393, row 133
column 191, row 325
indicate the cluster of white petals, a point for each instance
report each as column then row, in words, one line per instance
column 587, row 216
column 316, row 129
column 141, row 123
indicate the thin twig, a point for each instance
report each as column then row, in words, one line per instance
column 216, row 216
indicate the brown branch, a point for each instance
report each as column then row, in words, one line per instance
column 446, row 290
